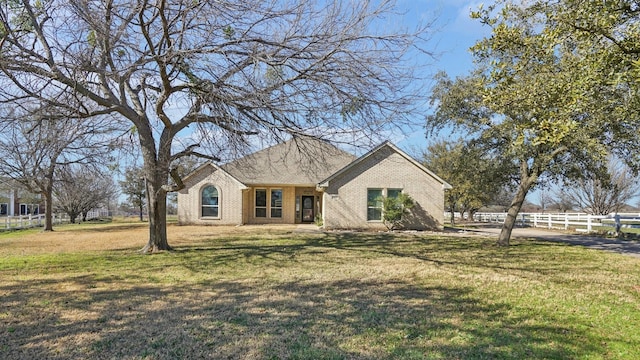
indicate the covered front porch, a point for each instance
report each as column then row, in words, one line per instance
column 268, row 204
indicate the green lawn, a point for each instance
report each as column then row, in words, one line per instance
column 273, row 293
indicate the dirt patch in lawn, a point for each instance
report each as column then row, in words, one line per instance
column 119, row 236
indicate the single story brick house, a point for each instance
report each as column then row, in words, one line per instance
column 304, row 181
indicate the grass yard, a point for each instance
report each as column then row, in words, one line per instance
column 275, row 293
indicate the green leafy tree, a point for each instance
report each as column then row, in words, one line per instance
column 134, row 186
column 476, row 174
column 222, row 72
column 538, row 98
column 394, row 208
column 442, row 158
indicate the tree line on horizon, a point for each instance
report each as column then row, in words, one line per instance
column 552, row 97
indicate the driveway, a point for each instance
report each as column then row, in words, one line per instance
column 631, row 248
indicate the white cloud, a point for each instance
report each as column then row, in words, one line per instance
column 465, row 25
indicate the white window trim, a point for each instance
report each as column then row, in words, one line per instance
column 34, row 207
column 219, row 202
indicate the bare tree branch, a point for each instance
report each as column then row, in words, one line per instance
column 232, row 72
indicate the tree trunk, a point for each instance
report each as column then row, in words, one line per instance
column 514, row 209
column 472, row 213
column 48, row 208
column 157, row 205
column 156, row 172
column 452, row 208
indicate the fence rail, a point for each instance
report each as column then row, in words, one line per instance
column 98, row 213
column 29, row 221
column 564, row 221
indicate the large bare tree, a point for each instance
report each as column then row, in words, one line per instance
column 604, row 193
column 35, row 143
column 79, row 189
column 187, row 72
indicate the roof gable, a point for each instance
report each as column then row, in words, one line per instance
column 211, row 167
column 386, row 144
column 300, row 161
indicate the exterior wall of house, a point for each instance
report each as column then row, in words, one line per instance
column 230, row 200
column 345, row 199
column 287, row 205
column 17, row 201
column 291, row 204
column 7, row 203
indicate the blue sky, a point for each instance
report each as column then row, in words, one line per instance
column 454, row 33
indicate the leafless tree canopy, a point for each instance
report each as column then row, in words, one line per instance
column 35, row 142
column 80, row 189
column 187, row 72
column 607, row 193
column 243, row 66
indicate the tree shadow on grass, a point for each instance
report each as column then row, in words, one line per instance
column 106, row 228
column 346, row 319
column 436, row 250
column 105, row 317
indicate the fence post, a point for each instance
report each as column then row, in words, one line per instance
column 566, row 221
column 549, row 225
column 535, row 220
column 588, row 223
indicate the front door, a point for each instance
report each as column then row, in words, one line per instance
column 307, row 209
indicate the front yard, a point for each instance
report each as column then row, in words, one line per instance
column 276, row 293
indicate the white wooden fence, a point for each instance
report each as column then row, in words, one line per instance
column 98, row 213
column 563, row 221
column 29, row 221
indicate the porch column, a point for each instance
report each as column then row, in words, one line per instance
column 12, row 201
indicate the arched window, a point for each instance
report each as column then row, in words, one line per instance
column 210, row 207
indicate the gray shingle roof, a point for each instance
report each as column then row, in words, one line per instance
column 300, row 161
